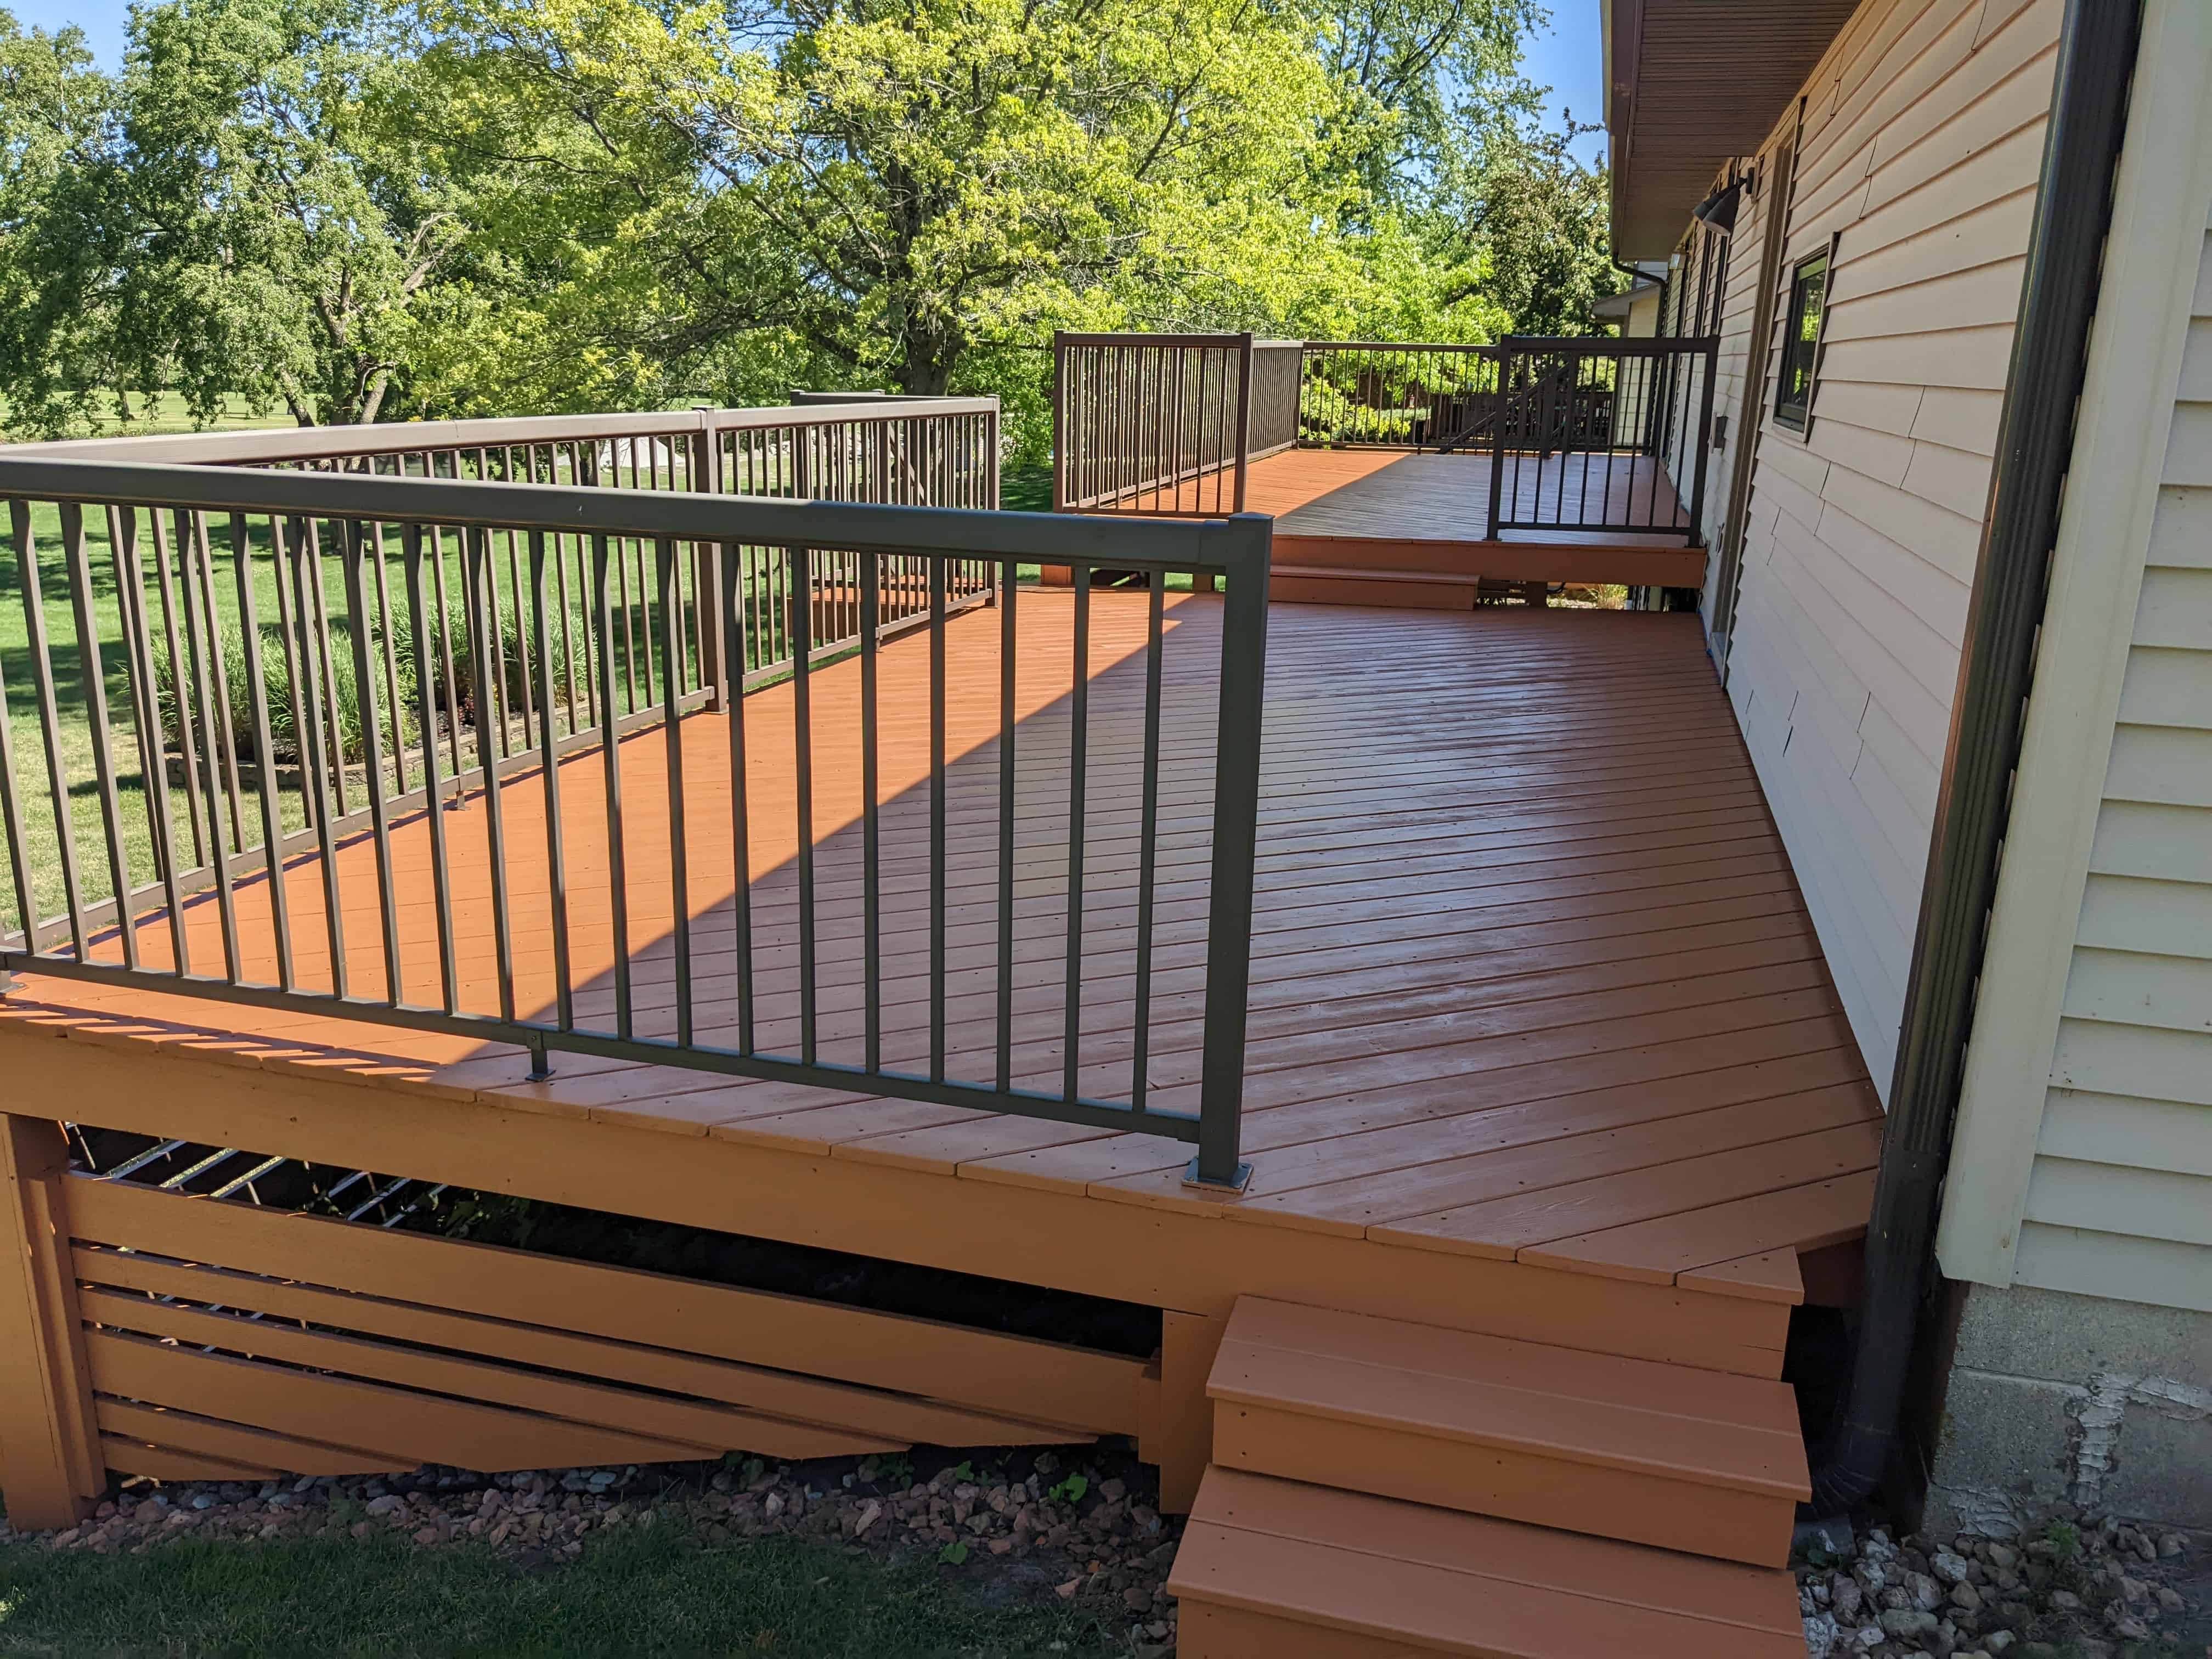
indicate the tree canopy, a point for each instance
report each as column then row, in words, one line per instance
column 356, row 210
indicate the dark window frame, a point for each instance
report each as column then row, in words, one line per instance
column 1799, row 354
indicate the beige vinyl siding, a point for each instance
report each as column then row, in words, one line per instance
column 1736, row 402
column 1921, row 148
column 2119, row 1200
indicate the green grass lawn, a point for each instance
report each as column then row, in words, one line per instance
column 639, row 1595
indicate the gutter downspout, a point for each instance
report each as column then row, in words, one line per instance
column 2035, row 441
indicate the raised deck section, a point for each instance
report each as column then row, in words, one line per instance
column 1542, row 1043
column 1381, row 526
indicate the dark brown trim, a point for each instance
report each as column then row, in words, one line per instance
column 2035, row 443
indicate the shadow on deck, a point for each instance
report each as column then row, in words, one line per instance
column 1532, row 980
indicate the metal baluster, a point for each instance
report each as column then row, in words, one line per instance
column 392, row 697
column 103, row 754
column 1148, row 824
column 555, row 855
column 204, row 552
column 871, row 840
column 611, row 749
column 937, row 819
column 191, row 531
column 446, row 653
column 351, row 560
column 797, row 562
column 187, row 745
column 1008, row 588
column 312, row 547
column 42, row 685
column 11, row 816
column 672, row 656
column 1078, row 741
column 257, row 695
column 316, row 762
column 477, row 592
column 736, row 590
column 433, row 810
column 131, row 584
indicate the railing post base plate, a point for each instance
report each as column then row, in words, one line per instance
column 1235, row 1186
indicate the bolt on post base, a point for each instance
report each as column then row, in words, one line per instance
column 1234, row 1186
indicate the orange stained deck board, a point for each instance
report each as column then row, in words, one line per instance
column 1524, row 937
column 1410, row 1578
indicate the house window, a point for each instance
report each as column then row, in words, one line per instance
column 1801, row 340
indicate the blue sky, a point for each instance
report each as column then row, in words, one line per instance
column 1567, row 57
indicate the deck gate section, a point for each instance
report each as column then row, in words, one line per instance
column 328, row 714
column 1576, row 417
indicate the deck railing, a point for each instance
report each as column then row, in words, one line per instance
column 322, row 665
column 1582, row 435
column 1597, row 434
column 1366, row 394
column 1164, row 425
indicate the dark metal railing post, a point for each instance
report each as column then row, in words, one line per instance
column 1711, row 358
column 1244, row 414
column 1249, row 538
column 1061, row 434
column 1498, row 420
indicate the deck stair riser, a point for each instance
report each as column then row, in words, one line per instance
column 1278, row 1570
column 1670, row 1456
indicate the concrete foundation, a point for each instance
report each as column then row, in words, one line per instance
column 2052, row 1397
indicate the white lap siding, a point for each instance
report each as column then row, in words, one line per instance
column 2119, row 1200
column 1922, row 141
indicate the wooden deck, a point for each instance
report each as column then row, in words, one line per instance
column 1532, row 983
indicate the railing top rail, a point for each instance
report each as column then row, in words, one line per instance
column 1194, row 341
column 1397, row 345
column 743, row 521
column 409, row 437
column 1600, row 345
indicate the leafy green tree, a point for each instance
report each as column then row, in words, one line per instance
column 280, row 229
column 57, row 355
column 866, row 189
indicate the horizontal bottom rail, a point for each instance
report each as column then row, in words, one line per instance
column 543, row 1039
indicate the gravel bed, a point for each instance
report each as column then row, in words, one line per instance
column 2073, row 1586
column 1081, row 1525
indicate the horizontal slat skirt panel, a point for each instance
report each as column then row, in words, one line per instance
column 413, row 1428
column 799, row 1399
column 127, row 1456
column 982, row 1371
column 220, row 1442
column 703, row 1428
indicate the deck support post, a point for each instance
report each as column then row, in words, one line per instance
column 1176, row 1429
column 50, row 1453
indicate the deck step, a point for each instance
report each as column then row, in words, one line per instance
column 1295, row 1571
column 1631, row 1450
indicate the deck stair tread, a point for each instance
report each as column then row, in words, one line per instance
column 1634, row 1449
column 1287, row 1568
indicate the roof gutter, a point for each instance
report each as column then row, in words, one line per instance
column 2035, row 442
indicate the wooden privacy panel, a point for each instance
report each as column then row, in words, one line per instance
column 231, row 1342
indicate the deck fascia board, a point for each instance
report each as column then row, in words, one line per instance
column 1184, row 1260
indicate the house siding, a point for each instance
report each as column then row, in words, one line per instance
column 1921, row 148
column 2119, row 1197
